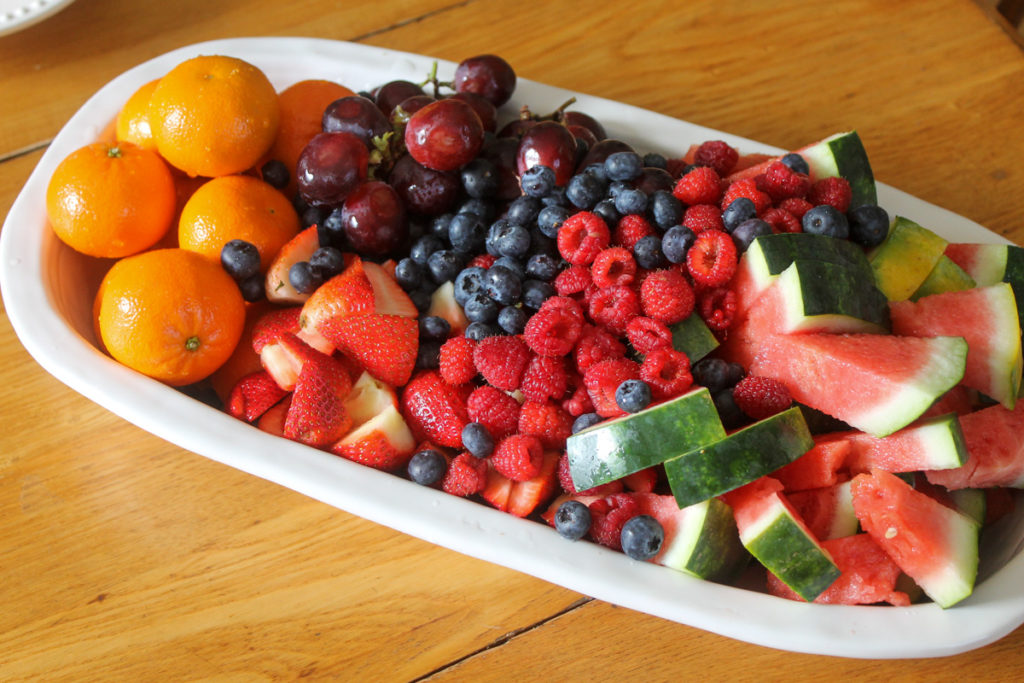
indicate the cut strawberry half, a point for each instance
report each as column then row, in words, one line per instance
column 384, row 345
column 317, row 416
column 383, row 442
column 369, row 397
column 443, row 305
column 347, row 293
column 434, row 409
column 526, row 496
column 388, row 296
column 274, row 324
column 299, row 248
column 254, row 395
column 272, row 421
column 497, row 490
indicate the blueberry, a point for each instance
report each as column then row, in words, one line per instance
column 608, row 213
column 408, row 274
column 328, row 261
column 749, row 230
column 550, row 219
column 512, row 264
column 303, row 278
column 240, row 259
column 633, row 395
column 623, row 166
column 730, row 414
column 508, row 239
column 584, row 191
column 477, row 440
column 502, row 285
column 666, row 210
column 543, row 267
column 676, row 241
column 647, row 252
column 555, row 198
column 642, row 537
column 631, row 201
column 427, row 467
column 480, row 308
column 428, row 355
column 467, row 232
column 585, row 421
column 444, row 265
column 478, row 331
column 468, row 282
column 538, row 181
column 713, row 373
column 253, row 287
column 536, row 292
column 275, row 173
column 484, row 208
column 572, row 520
column 313, row 215
column 423, row 247
column 479, row 178
column 422, row 298
column 333, row 228
column 616, row 188
column 869, row 225
column 523, row 210
column 826, row 220
column 434, row 327
column 739, row 210
column 439, row 226
column 512, row 319
column 597, row 170
column 542, row 244
column 796, row 163
column 655, row 160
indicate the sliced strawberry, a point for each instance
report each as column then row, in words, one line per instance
column 272, row 421
column 346, row 293
column 434, row 409
column 384, row 345
column 299, row 248
column 497, row 490
column 383, row 442
column 444, row 305
column 273, row 325
column 317, row 414
column 527, row 495
column 369, row 396
column 254, row 395
column 388, row 296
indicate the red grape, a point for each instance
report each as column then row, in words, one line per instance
column 392, row 93
column 444, row 135
column 578, row 118
column 373, row 218
column 486, row 75
column 403, row 110
column 356, row 115
column 330, row 166
column 548, row 143
column 487, row 112
column 424, row 190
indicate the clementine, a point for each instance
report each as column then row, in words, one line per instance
column 214, row 115
column 132, row 124
column 170, row 314
column 237, row 207
column 111, row 200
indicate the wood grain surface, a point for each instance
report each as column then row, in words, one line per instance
column 127, row 559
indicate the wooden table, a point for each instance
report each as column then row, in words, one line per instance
column 125, row 558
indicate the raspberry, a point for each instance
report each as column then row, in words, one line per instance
column 832, row 191
column 547, row 421
column 484, row 261
column 575, row 282
column 596, row 344
column 665, row 295
column 717, row 307
column 565, row 479
column 466, row 475
column 631, row 229
column 761, row 397
column 667, row 372
column 578, row 402
column 701, row 217
column 614, row 307
column 494, row 409
column 545, row 378
column 676, row 167
column 613, row 266
column 711, row 261
column 796, row 206
column 608, row 515
column 647, row 334
column 782, row 182
column 456, row 360
column 781, row 220
column 518, row 457
column 603, row 378
column 701, row 185
column 746, row 187
column 717, row 154
column 554, row 329
column 501, row 360
column 582, row 236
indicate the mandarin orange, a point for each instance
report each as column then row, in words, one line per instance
column 111, row 200
column 132, row 124
column 171, row 314
column 237, row 207
column 214, row 115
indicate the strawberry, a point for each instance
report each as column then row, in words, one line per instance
column 497, row 489
column 444, row 305
column 317, row 414
column 346, row 293
column 254, row 395
column 272, row 421
column 369, row 397
column 272, row 325
column 383, row 442
column 525, row 496
column 383, row 345
column 299, row 248
column 434, row 409
column 388, row 296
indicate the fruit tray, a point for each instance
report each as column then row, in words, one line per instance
column 47, row 291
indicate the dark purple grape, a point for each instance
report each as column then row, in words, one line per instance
column 583, row 133
column 486, row 75
column 402, row 111
column 424, row 191
column 602, row 150
column 444, row 135
column 578, row 118
column 356, row 115
column 653, row 179
column 550, row 144
column 515, row 129
column 373, row 218
column 393, row 93
column 487, row 112
column 502, row 153
column 330, row 167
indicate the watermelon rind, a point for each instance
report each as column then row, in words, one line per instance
column 946, row 276
column 933, row 443
column 826, row 297
column 706, row 543
column 614, row 448
column 693, row 337
column 904, row 260
column 843, row 155
column 971, row 502
column 739, row 458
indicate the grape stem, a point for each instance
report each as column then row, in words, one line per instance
column 437, row 85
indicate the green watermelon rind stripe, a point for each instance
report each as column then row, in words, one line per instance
column 771, row 254
column 780, row 543
column 844, row 519
column 1004, row 361
column 828, row 296
column 942, row 440
column 693, row 337
column 707, row 543
column 843, row 154
column 739, row 458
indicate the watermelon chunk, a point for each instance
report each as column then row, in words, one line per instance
column 935, row 443
column 876, row 383
column 987, row 318
column 828, row 511
column 994, row 438
column 868, row 575
column 817, row 468
column 934, row 545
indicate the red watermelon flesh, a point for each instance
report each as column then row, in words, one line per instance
column 876, row 383
column 868, row 575
column 985, row 263
column 995, row 451
column 817, row 468
column 987, row 318
column 749, row 501
column 928, row 444
column 959, row 400
column 934, row 545
column 828, row 511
